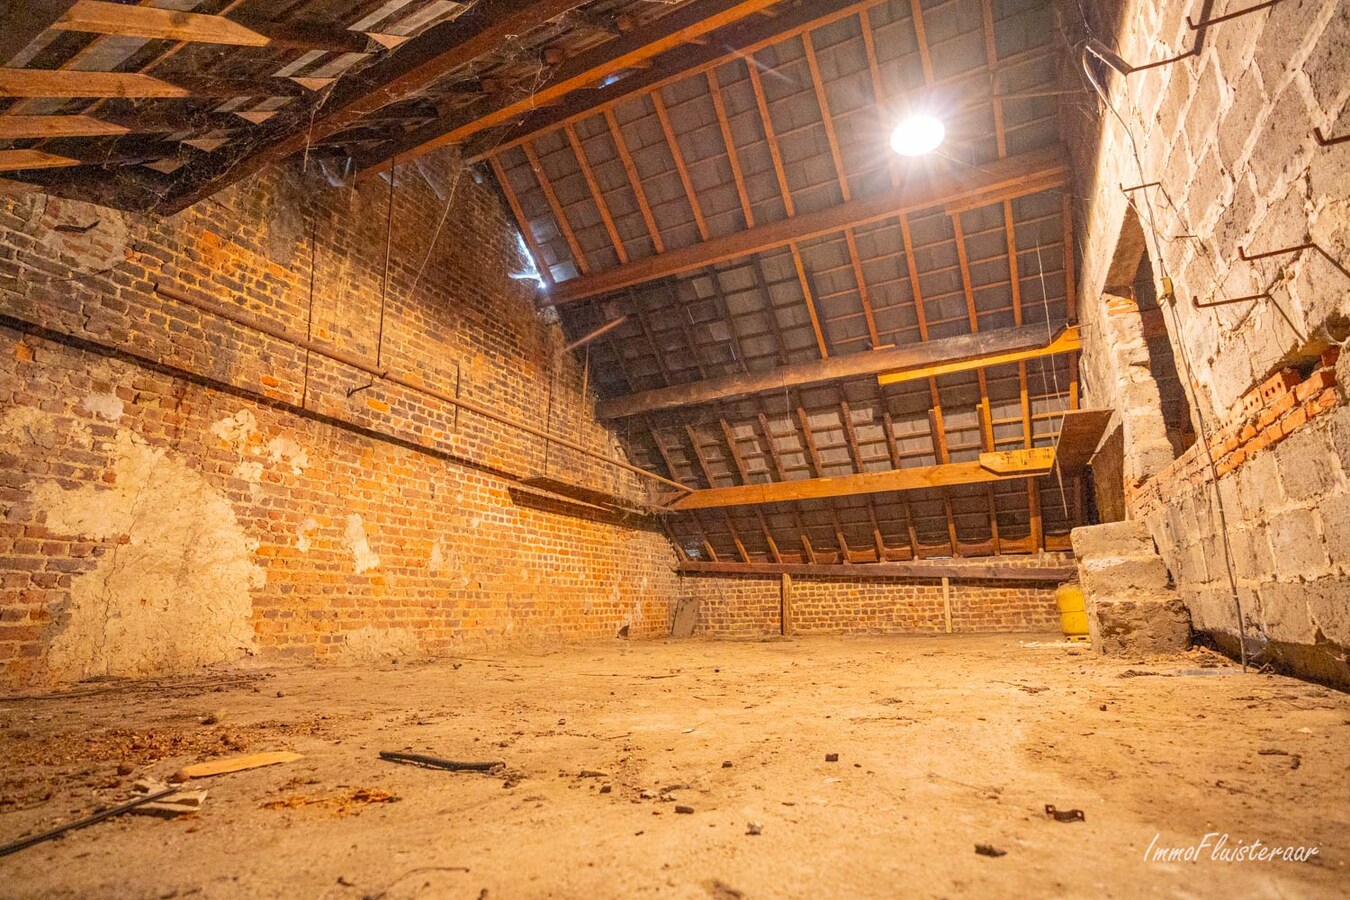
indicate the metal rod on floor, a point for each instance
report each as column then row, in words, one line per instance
column 86, row 821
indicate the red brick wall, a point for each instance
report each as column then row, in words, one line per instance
column 750, row 606
column 176, row 490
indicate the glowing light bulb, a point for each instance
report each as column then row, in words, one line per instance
column 917, row 135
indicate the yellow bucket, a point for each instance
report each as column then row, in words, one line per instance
column 1072, row 612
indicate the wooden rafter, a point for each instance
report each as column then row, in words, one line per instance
column 832, row 139
column 526, row 232
column 690, row 193
column 21, row 127
column 720, row 110
column 580, row 152
column 775, row 155
column 809, row 298
column 559, row 216
column 697, row 447
column 634, row 181
column 921, row 38
column 23, row 160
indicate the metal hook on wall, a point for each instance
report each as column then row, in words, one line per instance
column 1324, row 141
column 1307, row 245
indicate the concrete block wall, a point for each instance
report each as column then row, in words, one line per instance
column 176, row 490
column 746, row 606
column 1228, row 133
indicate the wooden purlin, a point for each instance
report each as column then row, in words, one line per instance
column 1012, row 177
column 1013, row 464
column 1049, row 574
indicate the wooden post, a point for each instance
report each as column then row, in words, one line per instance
column 947, row 602
column 785, row 606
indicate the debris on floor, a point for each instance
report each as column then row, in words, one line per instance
column 179, row 802
column 1064, row 815
column 343, row 804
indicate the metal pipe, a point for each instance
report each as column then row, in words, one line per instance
column 245, row 320
column 603, row 329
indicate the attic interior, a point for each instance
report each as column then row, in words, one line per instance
column 695, row 448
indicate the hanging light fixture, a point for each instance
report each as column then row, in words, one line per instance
column 917, row 135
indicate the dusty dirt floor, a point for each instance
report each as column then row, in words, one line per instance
column 943, row 744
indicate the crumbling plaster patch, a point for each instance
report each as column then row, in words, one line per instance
column 362, row 555
column 173, row 590
column 105, row 406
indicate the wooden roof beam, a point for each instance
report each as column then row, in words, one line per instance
column 101, row 17
column 911, row 362
column 736, row 42
column 935, row 570
column 62, row 83
column 424, row 60
column 685, row 25
column 990, row 467
column 1012, row 177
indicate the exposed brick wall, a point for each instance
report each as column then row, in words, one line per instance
column 176, row 490
column 1283, row 464
column 1229, row 134
column 745, row 606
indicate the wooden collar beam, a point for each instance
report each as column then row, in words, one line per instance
column 1005, row 179
column 1064, row 342
column 990, row 467
column 935, row 569
column 908, row 363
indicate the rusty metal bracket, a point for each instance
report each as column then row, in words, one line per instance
column 1324, row 141
column 1307, row 245
column 1111, row 58
column 1195, row 301
column 1196, row 26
